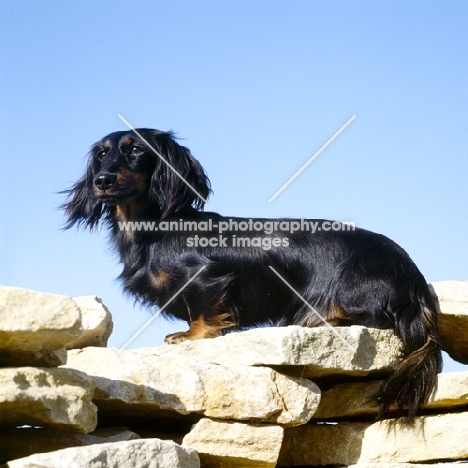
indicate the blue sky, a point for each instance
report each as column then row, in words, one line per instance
column 254, row 88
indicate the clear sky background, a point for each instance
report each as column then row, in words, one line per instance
column 254, row 88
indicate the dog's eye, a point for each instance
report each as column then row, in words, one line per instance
column 101, row 154
column 136, row 151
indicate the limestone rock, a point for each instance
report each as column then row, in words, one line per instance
column 431, row 438
column 96, row 320
column 59, row 398
column 21, row 442
column 34, row 327
column 314, row 352
column 142, row 453
column 139, row 383
column 353, row 399
column 397, row 465
column 234, row 445
column 452, row 297
column 259, row 394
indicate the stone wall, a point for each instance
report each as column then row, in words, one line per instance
column 262, row 398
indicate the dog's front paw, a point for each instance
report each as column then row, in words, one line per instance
column 179, row 337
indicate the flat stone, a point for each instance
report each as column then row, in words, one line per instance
column 142, row 384
column 402, row 465
column 59, row 398
column 35, row 326
column 21, row 442
column 96, row 320
column 308, row 352
column 429, row 439
column 452, row 299
column 230, row 444
column 259, row 394
column 350, row 400
column 142, row 453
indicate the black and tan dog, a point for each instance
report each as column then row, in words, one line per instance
column 150, row 192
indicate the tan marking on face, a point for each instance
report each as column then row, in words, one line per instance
column 132, row 179
column 127, row 141
column 130, row 210
column 124, row 213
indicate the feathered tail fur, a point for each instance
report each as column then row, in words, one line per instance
column 414, row 380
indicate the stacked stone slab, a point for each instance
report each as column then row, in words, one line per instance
column 47, row 417
column 34, row 328
column 262, row 398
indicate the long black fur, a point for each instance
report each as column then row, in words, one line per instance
column 350, row 277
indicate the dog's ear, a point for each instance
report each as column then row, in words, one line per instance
column 179, row 182
column 82, row 207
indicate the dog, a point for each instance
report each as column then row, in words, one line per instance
column 218, row 273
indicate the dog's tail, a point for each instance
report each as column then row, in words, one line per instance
column 415, row 378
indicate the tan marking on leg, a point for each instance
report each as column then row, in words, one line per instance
column 200, row 329
column 336, row 316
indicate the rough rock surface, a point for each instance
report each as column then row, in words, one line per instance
column 59, row 398
column 142, row 453
column 25, row 441
column 349, row 400
column 96, row 320
column 314, row 352
column 233, row 445
column 399, row 465
column 452, row 297
column 34, row 327
column 135, row 382
column 389, row 441
column 246, row 394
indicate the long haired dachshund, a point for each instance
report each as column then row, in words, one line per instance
column 215, row 272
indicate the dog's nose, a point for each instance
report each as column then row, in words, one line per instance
column 104, row 181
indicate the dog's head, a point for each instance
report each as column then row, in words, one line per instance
column 141, row 168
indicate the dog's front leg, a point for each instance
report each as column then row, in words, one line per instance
column 202, row 328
